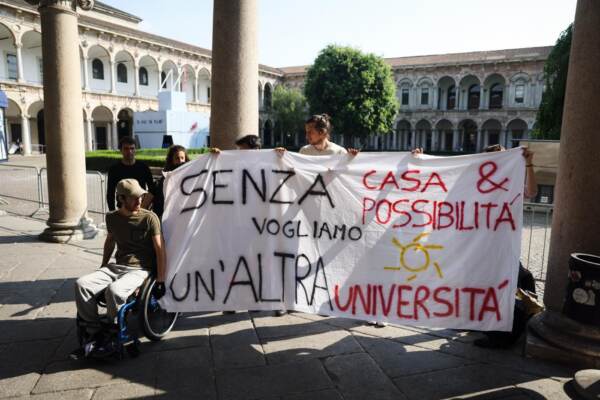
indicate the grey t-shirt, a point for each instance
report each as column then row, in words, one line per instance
column 331, row 148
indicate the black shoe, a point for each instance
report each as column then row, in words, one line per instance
column 280, row 313
column 77, row 354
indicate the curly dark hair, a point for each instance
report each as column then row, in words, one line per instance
column 322, row 123
column 174, row 149
column 252, row 141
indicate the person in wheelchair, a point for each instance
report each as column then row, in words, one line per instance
column 137, row 235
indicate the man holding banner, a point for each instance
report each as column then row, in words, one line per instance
column 429, row 241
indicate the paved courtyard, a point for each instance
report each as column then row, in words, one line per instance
column 241, row 356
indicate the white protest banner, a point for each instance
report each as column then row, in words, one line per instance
column 430, row 241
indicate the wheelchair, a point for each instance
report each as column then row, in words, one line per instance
column 141, row 313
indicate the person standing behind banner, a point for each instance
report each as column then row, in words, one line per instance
column 129, row 167
column 318, row 133
column 176, row 156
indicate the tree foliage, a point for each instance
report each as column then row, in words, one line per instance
column 289, row 110
column 357, row 90
column 549, row 117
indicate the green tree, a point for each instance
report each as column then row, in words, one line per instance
column 289, row 110
column 357, row 90
column 549, row 116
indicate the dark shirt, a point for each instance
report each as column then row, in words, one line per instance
column 158, row 203
column 118, row 171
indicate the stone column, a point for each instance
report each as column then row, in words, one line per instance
column 89, row 134
column 115, row 134
column 20, row 75
column 196, row 89
column 413, row 139
column 86, row 75
column 113, row 77
column 478, row 140
column 482, row 96
column 136, row 79
column 395, row 140
column 65, row 158
column 109, row 139
column 575, row 225
column 234, row 104
column 26, row 134
column 436, row 91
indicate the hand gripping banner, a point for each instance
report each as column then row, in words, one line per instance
column 418, row 240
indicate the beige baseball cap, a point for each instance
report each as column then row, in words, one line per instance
column 130, row 188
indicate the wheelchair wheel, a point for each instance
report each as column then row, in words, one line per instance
column 156, row 321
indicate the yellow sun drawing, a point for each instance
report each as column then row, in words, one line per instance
column 416, row 246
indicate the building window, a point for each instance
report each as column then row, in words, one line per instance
column 143, row 76
column 405, row 96
column 474, row 94
column 424, row 96
column 97, row 69
column 121, row 73
column 496, row 92
column 208, row 95
column 545, row 194
column 12, row 67
column 451, row 100
column 519, row 93
column 163, row 79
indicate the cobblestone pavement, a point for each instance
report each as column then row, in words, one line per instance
column 240, row 356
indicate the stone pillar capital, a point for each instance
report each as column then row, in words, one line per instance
column 19, row 44
column 70, row 5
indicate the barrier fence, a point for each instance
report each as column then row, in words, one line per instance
column 31, row 184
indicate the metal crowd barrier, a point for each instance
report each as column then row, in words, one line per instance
column 31, row 184
column 21, row 182
column 537, row 224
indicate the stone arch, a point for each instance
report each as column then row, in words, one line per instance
column 31, row 55
column 404, row 131
column 491, row 132
column 147, row 65
column 188, row 82
column 170, row 72
column 268, row 96
column 204, row 86
column 35, row 111
column 103, row 119
column 446, row 93
column 424, row 135
column 445, row 132
column 494, row 88
column 516, row 130
column 99, row 68
column 468, row 135
column 9, row 67
column 14, row 127
column 469, row 92
column 124, row 72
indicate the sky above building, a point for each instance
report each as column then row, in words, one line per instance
column 292, row 32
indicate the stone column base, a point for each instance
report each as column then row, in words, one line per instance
column 62, row 233
column 553, row 336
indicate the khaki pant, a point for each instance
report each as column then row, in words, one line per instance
column 120, row 282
